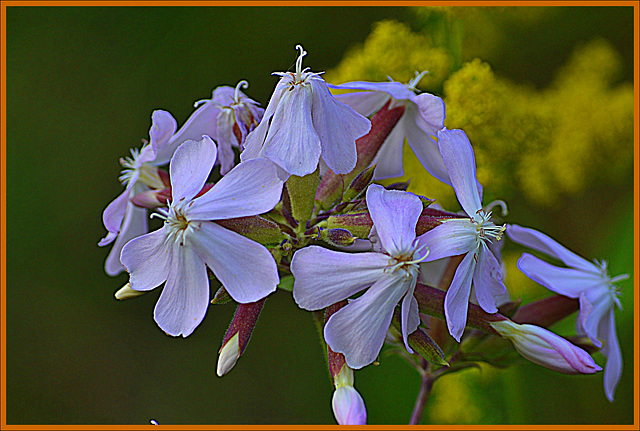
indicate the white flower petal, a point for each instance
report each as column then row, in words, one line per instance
column 292, row 142
column 388, row 160
column 324, row 277
column 543, row 243
column 190, row 167
column 611, row 349
column 395, row 215
column 363, row 102
column 338, row 126
column 245, row 268
column 134, row 225
column 147, row 259
column 452, row 238
column 185, row 297
column 460, row 162
column 487, row 280
column 564, row 281
column 358, row 330
column 409, row 314
column 456, row 301
column 163, row 126
column 251, row 188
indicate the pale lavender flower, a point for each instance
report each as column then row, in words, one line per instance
column 545, row 348
column 190, row 240
column 304, row 122
column 471, row 236
column 589, row 282
column 423, row 117
column 227, row 118
column 121, row 218
column 324, row 277
column 347, row 404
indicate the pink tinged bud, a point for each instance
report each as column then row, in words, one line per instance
column 336, row 237
column 152, row 199
column 545, row 348
column 237, row 337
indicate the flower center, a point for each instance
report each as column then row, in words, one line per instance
column 179, row 227
column 614, row 290
column 486, row 231
column 407, row 263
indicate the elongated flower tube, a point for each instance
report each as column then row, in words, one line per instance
column 227, row 118
column 123, row 220
column 589, row 282
column 469, row 236
column 304, row 122
column 422, row 119
column 545, row 348
column 179, row 253
column 324, row 277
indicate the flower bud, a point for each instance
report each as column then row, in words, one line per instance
column 152, row 199
column 545, row 348
column 336, row 237
column 358, row 184
column 126, row 292
column 348, row 406
column 237, row 337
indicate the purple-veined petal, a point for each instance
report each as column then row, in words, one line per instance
column 460, row 162
column 134, row 225
column 409, row 314
column 245, row 268
column 364, row 102
column 456, row 301
column 487, row 280
column 324, row 277
column 418, row 134
column 251, row 188
column 226, row 139
column 190, row 167
column 185, row 297
column 564, row 281
column 113, row 216
column 611, row 349
column 163, row 126
column 395, row 214
column 348, row 406
column 388, row 161
column 147, row 258
column 452, row 238
column 292, row 142
column 397, row 90
column 358, row 329
column 538, row 241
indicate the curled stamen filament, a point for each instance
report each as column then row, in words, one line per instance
column 244, row 84
column 299, row 70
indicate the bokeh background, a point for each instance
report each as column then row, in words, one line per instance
column 545, row 95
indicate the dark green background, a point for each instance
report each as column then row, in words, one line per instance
column 81, row 86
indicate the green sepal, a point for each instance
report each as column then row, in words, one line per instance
column 359, row 224
column 221, row 297
column 302, row 193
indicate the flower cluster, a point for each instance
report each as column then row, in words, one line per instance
column 300, row 211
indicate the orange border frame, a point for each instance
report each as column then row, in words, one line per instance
column 3, row 209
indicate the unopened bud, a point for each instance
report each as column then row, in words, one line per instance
column 348, row 406
column 336, row 237
column 152, row 199
column 126, row 292
column 237, row 337
column 358, row 184
column 545, row 348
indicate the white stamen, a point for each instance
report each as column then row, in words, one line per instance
column 299, row 70
column 236, row 97
column 414, row 82
column 499, row 203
